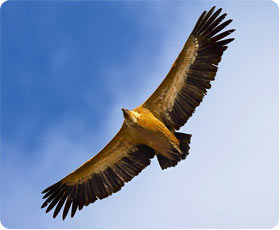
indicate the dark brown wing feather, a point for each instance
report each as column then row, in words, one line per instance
column 184, row 87
column 98, row 178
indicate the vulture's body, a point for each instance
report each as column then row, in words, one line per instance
column 150, row 129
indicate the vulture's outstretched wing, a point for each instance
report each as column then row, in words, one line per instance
column 184, row 87
column 99, row 177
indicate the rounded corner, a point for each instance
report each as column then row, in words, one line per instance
column 3, row 4
column 275, row 2
column 275, row 224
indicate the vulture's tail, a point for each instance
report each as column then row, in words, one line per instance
column 185, row 140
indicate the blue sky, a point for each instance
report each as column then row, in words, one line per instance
column 68, row 67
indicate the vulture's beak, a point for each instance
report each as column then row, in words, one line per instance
column 125, row 112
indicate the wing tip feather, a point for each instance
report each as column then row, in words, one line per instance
column 209, row 21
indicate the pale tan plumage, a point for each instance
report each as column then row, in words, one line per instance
column 149, row 129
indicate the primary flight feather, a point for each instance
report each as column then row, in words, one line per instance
column 149, row 129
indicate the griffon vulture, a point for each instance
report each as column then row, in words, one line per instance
column 150, row 129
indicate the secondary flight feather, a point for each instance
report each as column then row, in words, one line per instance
column 150, row 129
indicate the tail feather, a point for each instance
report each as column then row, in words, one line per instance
column 184, row 146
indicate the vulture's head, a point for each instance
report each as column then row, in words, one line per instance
column 130, row 117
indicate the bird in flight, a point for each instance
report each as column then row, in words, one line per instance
column 150, row 129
